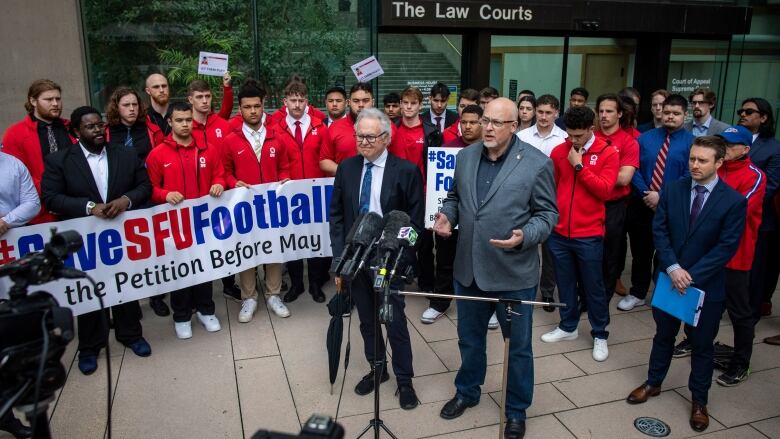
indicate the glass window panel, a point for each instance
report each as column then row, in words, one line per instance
column 533, row 63
column 601, row 65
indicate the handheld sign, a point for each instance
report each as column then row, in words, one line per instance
column 212, row 64
column 441, row 172
column 367, row 69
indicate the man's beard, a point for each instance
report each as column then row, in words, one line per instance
column 161, row 100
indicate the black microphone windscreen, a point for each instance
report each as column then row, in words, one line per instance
column 351, row 234
column 369, row 228
column 394, row 221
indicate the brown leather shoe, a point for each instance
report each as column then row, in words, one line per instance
column 775, row 340
column 620, row 289
column 642, row 393
column 700, row 419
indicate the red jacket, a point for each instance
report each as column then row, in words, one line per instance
column 745, row 177
column 312, row 111
column 213, row 133
column 170, row 167
column 628, row 148
column 21, row 141
column 236, row 123
column 451, row 133
column 241, row 162
column 590, row 187
column 408, row 143
column 342, row 143
column 304, row 162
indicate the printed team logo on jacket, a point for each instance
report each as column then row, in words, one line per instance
column 218, row 132
column 272, row 152
column 203, row 162
column 314, row 131
column 593, row 159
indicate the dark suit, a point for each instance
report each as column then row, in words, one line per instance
column 703, row 249
column 401, row 190
column 67, row 185
column 450, row 117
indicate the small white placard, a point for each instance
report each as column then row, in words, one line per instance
column 367, row 69
column 212, row 64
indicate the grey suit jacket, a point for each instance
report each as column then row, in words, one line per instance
column 521, row 197
column 716, row 127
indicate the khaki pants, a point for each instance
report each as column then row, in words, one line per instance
column 247, row 280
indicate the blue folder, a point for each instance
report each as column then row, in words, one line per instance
column 685, row 307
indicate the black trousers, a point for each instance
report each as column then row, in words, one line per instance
column 197, row 296
column 547, row 278
column 445, row 259
column 367, row 303
column 639, row 224
column 318, row 271
column 93, row 329
column 740, row 301
column 426, row 271
column 766, row 267
column 614, row 244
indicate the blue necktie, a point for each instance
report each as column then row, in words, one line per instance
column 129, row 138
column 365, row 189
column 698, row 202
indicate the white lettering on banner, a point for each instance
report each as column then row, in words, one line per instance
column 165, row 248
column 402, row 9
column 441, row 175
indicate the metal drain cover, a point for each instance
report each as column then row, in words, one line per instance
column 652, row 427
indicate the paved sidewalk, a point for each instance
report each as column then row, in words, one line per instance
column 272, row 374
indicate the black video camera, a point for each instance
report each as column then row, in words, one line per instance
column 316, row 427
column 34, row 329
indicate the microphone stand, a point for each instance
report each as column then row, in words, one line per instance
column 507, row 303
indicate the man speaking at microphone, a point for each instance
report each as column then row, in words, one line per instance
column 503, row 201
column 379, row 182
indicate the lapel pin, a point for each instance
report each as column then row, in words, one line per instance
column 518, row 156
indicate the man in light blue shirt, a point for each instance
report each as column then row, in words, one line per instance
column 702, row 102
column 19, row 202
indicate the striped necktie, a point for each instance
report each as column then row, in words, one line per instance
column 660, row 165
column 129, row 138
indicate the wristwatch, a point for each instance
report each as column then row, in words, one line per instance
column 90, row 205
column 578, row 167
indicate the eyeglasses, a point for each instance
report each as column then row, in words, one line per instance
column 370, row 139
column 496, row 123
column 748, row 111
column 92, row 126
column 695, row 103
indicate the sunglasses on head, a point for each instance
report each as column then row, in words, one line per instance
column 748, row 111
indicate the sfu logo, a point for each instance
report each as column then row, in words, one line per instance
column 202, row 162
column 218, row 132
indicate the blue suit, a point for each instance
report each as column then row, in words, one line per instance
column 703, row 249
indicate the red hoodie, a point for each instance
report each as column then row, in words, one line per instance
column 451, row 133
column 190, row 170
column 241, row 162
column 304, row 161
column 590, row 187
column 748, row 180
column 21, row 141
column 213, row 133
column 628, row 149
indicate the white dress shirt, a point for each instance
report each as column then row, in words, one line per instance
column 255, row 138
column 544, row 144
column 98, row 164
column 377, row 173
column 443, row 117
column 305, row 121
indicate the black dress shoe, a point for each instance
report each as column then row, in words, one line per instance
column 366, row 384
column 15, row 427
column 316, row 293
column 159, row 307
column 548, row 308
column 295, row 291
column 514, row 429
column 407, row 397
column 455, row 407
column 232, row 292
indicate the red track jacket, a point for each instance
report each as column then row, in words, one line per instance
column 628, row 149
column 212, row 134
column 170, row 168
column 241, row 162
column 312, row 111
column 451, row 133
column 748, row 180
column 581, row 195
column 304, row 162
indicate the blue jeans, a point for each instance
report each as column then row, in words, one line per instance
column 473, row 317
column 580, row 258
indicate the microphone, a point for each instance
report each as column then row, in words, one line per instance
column 366, row 236
column 389, row 245
column 338, row 262
column 407, row 237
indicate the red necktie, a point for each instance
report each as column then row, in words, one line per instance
column 438, row 124
column 298, row 133
column 660, row 165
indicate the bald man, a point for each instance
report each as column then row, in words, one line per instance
column 503, row 201
column 159, row 95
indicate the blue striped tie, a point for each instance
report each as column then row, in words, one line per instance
column 365, row 189
column 129, row 138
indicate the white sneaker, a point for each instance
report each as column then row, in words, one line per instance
column 493, row 323
column 248, row 308
column 600, row 349
column 210, row 322
column 430, row 315
column 276, row 305
column 183, row 330
column 559, row 334
column 629, row 302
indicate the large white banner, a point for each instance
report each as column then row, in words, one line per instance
column 441, row 172
column 152, row 251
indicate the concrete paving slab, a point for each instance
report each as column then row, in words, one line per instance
column 746, row 402
column 252, row 339
column 441, row 329
column 547, row 400
column 742, row 432
column 265, row 398
column 770, row 427
column 621, row 356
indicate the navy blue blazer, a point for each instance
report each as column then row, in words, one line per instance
column 765, row 153
column 704, row 248
column 401, row 190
